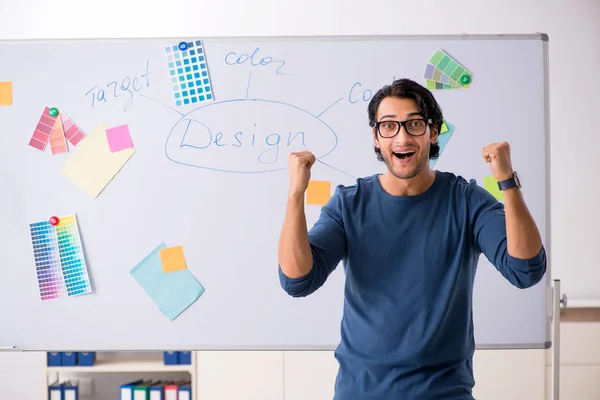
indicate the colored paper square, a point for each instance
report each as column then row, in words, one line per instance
column 491, row 185
column 5, row 93
column 443, row 138
column 119, row 138
column 92, row 166
column 172, row 259
column 172, row 293
column 444, row 128
column 318, row 192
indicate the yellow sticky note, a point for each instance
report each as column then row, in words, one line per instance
column 444, row 128
column 172, row 259
column 92, row 166
column 318, row 192
column 491, row 185
column 5, row 93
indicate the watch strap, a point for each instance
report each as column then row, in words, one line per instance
column 509, row 183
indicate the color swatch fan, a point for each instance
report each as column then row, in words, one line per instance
column 60, row 264
column 443, row 72
column 54, row 126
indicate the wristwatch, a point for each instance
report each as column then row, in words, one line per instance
column 510, row 183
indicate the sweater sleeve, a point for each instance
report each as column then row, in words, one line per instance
column 489, row 232
column 327, row 241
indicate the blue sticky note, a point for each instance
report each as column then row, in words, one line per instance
column 442, row 141
column 172, row 292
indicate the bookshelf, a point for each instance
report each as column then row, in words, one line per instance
column 123, row 363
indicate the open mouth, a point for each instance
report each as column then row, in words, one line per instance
column 403, row 155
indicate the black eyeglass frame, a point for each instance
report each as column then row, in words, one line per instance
column 401, row 124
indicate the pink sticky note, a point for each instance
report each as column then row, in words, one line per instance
column 119, row 138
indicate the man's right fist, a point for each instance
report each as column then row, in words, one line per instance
column 299, row 165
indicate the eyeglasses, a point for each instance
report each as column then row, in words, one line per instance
column 414, row 127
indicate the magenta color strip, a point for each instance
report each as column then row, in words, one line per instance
column 76, row 138
column 42, row 137
column 41, row 134
column 44, row 128
column 37, row 144
column 46, row 120
column 72, row 131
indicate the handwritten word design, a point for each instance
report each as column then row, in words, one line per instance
column 127, row 87
column 256, row 138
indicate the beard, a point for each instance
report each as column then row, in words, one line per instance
column 419, row 165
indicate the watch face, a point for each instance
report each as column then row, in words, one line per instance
column 517, row 180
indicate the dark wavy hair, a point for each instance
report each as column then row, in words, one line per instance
column 408, row 89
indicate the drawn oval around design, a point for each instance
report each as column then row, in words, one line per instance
column 247, row 136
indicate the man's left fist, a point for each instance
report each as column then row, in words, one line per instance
column 498, row 156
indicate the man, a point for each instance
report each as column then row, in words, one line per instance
column 410, row 240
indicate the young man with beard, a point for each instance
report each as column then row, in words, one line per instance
column 410, row 240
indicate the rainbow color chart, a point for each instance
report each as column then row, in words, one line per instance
column 189, row 73
column 59, row 260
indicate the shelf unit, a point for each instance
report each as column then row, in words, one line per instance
column 117, row 365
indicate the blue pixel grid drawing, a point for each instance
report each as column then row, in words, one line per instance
column 189, row 73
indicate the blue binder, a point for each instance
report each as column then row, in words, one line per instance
column 71, row 390
column 185, row 392
column 185, row 357
column 157, row 391
column 54, row 359
column 171, row 357
column 127, row 389
column 55, row 391
column 68, row 358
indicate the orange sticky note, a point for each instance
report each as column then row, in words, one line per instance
column 172, row 259
column 318, row 192
column 5, row 93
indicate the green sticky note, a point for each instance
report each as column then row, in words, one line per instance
column 491, row 185
column 172, row 292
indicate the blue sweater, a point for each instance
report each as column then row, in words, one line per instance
column 410, row 261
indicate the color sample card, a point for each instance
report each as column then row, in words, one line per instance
column 318, row 192
column 491, row 185
column 172, row 259
column 51, row 284
column 119, row 138
column 41, row 134
column 446, row 131
column 92, row 166
column 59, row 260
column 174, row 292
column 443, row 72
column 72, row 131
column 189, row 73
column 73, row 264
column 5, row 93
column 58, row 143
column 55, row 126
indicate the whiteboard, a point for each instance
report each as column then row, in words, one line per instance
column 192, row 182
